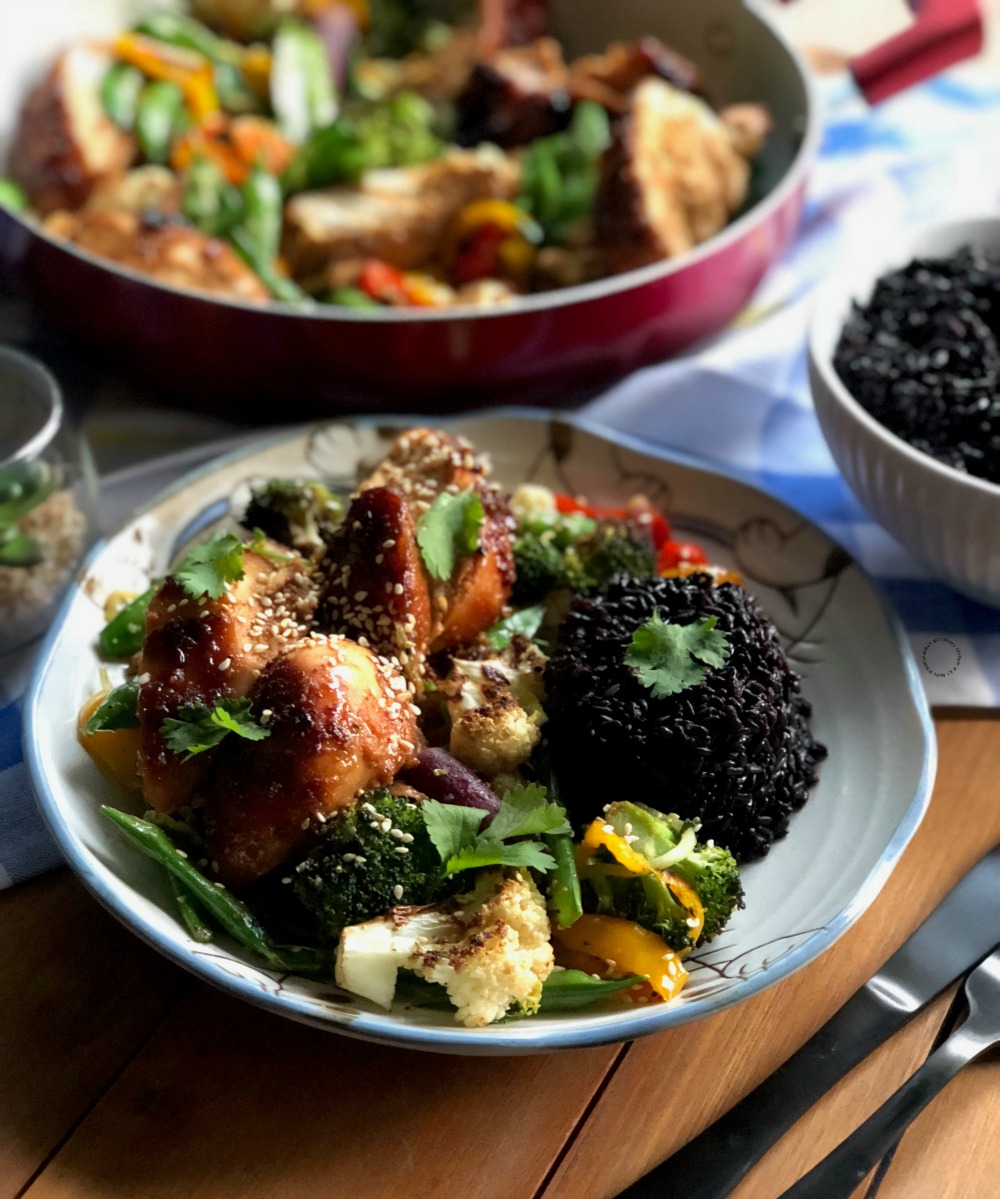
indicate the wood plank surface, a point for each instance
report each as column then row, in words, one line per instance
column 716, row 1062
column 123, row 1078
column 78, row 995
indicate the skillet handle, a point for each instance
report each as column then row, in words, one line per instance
column 943, row 33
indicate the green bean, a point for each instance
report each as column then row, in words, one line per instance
column 567, row 990
column 122, row 636
column 120, row 92
column 160, row 116
column 302, row 89
column 231, row 913
column 12, row 196
column 564, row 882
column 190, row 916
column 262, row 216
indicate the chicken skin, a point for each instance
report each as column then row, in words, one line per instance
column 340, row 720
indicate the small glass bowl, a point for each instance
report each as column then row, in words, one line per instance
column 48, row 499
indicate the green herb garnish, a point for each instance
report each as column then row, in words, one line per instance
column 118, row 710
column 668, row 658
column 526, row 621
column 197, row 727
column 524, row 812
column 206, row 569
column 448, row 530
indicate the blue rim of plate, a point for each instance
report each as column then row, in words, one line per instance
column 540, row 1038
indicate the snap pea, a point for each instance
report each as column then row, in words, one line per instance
column 331, row 155
column 568, row 990
column 190, row 916
column 19, row 549
column 13, row 196
column 564, row 882
column 122, row 636
column 178, row 30
column 352, row 297
column 231, row 913
column 302, row 90
column 175, row 29
column 257, row 235
column 208, row 200
column 120, row 91
column 160, row 116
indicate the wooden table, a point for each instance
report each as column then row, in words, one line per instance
column 122, row 1076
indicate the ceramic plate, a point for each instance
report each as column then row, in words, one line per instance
column 857, row 672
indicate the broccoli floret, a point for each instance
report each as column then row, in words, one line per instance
column 357, row 873
column 301, row 514
column 575, row 552
column 617, row 548
column 670, row 845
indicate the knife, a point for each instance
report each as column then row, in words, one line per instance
column 964, row 927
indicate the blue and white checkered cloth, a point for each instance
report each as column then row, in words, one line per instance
column 743, row 402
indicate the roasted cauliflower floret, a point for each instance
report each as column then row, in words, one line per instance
column 495, row 706
column 490, row 949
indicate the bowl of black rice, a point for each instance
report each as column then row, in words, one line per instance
column 904, row 361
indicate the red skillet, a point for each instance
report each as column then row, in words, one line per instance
column 557, row 348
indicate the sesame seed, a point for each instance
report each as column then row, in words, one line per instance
column 349, row 857
column 225, row 663
column 397, row 891
column 401, row 849
column 608, row 828
column 305, row 823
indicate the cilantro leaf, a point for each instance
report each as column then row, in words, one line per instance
column 524, row 812
column 448, row 529
column 668, row 658
column 496, row 853
column 197, row 727
column 208, row 567
column 118, row 710
column 527, row 621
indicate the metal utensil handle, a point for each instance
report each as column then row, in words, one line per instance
column 840, row 1172
column 711, row 1165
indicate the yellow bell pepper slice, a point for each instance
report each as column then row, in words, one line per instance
column 628, row 948
column 500, row 213
column 191, row 72
column 600, row 834
column 115, row 752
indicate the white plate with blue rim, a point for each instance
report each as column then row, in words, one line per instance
column 856, row 669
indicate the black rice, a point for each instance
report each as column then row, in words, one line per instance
column 734, row 750
column 923, row 357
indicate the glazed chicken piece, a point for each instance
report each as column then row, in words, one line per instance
column 340, row 720
column 402, row 611
column 172, row 253
column 201, row 650
column 65, row 144
column 673, row 177
column 398, row 215
column 515, row 96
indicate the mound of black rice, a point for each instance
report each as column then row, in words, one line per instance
column 734, row 750
column 923, row 356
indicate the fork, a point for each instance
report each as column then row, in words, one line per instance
column 840, row 1172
